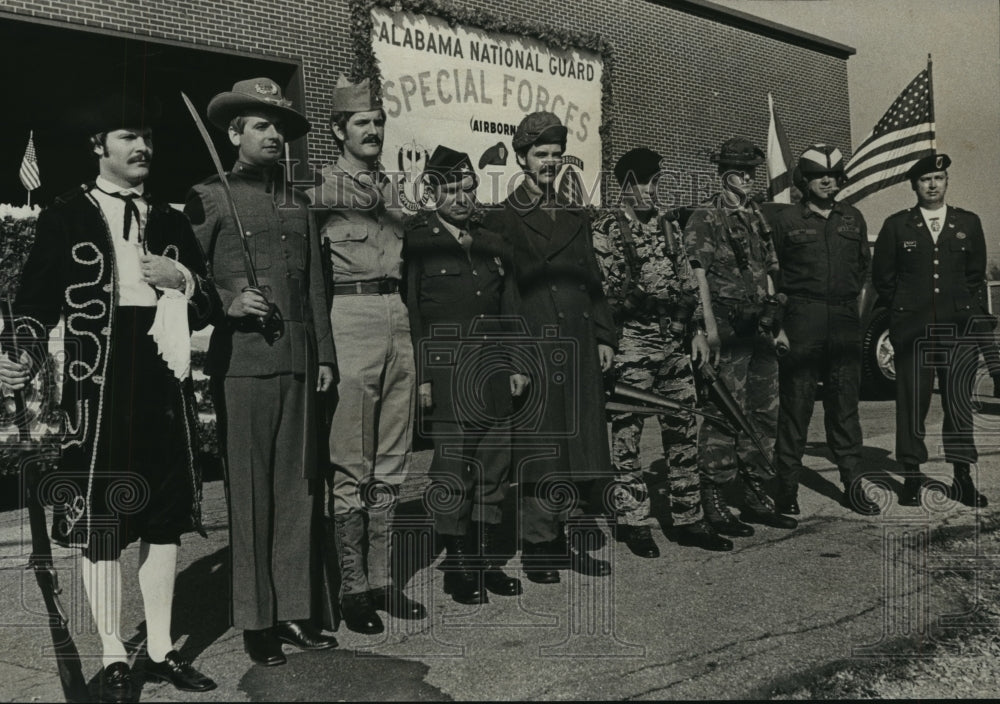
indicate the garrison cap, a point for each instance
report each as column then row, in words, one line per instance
column 354, row 97
column 637, row 165
column 539, row 128
column 929, row 164
column 448, row 166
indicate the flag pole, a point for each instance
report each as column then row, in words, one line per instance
column 930, row 99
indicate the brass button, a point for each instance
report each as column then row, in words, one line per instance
column 475, row 273
column 561, row 315
column 937, row 276
column 937, row 290
column 586, row 315
column 479, row 293
column 554, row 288
column 936, row 261
column 283, row 238
column 444, row 271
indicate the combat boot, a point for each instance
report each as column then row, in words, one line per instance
column 581, row 560
column 964, row 490
column 913, row 481
column 717, row 513
column 489, row 561
column 787, row 502
column 461, row 581
column 538, row 562
column 699, row 534
column 759, row 507
column 356, row 606
column 639, row 540
column 854, row 496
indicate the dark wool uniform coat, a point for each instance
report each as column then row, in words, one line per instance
column 562, row 302
column 927, row 283
column 454, row 300
column 71, row 270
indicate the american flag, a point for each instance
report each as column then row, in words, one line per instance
column 903, row 135
column 29, row 166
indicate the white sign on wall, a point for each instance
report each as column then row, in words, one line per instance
column 468, row 89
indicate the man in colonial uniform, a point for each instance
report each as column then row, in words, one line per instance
column 372, row 428
column 457, row 287
column 271, row 382
column 930, row 263
column 564, row 450
column 128, row 274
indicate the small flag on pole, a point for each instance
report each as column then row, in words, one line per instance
column 29, row 166
column 904, row 135
column 779, row 159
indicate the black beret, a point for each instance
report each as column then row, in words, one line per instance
column 927, row 165
column 638, row 165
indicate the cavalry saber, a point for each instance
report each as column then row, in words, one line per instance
column 247, row 260
column 71, row 678
column 253, row 284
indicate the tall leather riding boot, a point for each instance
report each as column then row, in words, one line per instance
column 356, row 606
column 913, row 480
column 717, row 513
column 963, row 489
column 461, row 580
column 484, row 535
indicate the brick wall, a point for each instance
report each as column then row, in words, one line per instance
column 682, row 82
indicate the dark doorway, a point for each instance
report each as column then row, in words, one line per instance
column 53, row 70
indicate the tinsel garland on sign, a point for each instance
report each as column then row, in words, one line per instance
column 455, row 13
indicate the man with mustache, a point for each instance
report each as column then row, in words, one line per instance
column 822, row 249
column 728, row 243
column 458, row 286
column 930, row 262
column 653, row 293
column 128, row 274
column 563, row 457
column 271, row 385
column 362, row 228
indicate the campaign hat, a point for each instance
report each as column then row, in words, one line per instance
column 257, row 95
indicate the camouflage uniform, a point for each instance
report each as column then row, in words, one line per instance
column 651, row 359
column 748, row 364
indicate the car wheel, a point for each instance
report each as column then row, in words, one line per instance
column 878, row 368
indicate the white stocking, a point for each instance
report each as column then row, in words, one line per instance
column 157, row 570
column 102, row 581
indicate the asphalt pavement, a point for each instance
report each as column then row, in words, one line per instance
column 691, row 624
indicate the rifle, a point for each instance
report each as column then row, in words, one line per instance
column 40, row 562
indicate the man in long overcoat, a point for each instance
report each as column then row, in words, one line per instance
column 561, row 441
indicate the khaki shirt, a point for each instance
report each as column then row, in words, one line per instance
column 362, row 228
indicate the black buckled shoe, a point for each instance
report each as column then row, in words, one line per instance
column 116, row 683
column 263, row 647
column 699, row 534
column 766, row 517
column 393, row 601
column 303, row 636
column 639, row 539
column 359, row 614
column 178, row 672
